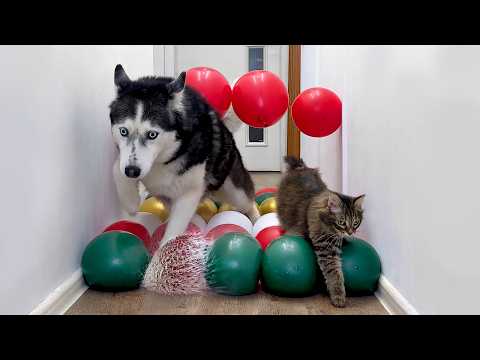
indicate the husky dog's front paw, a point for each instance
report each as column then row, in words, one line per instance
column 127, row 190
column 131, row 211
column 131, row 207
column 253, row 213
column 165, row 240
column 130, row 201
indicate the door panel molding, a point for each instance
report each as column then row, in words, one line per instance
column 164, row 60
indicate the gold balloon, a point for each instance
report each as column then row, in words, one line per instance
column 156, row 207
column 268, row 206
column 206, row 209
column 226, row 207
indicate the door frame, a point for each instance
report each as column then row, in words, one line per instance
column 164, row 58
column 294, row 72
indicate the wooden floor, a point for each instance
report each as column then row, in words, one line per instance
column 265, row 179
column 143, row 302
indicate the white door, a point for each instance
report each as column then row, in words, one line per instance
column 261, row 149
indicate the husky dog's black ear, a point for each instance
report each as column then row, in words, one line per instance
column 178, row 84
column 121, row 77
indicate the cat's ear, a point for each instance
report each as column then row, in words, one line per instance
column 334, row 203
column 358, row 202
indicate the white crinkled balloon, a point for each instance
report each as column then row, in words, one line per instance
column 178, row 267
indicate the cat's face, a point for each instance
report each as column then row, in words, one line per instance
column 345, row 213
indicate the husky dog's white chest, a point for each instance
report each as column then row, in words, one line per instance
column 163, row 180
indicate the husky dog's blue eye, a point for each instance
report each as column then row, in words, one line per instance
column 123, row 131
column 152, row 135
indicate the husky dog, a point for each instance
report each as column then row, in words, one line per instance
column 172, row 141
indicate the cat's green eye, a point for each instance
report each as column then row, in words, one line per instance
column 341, row 222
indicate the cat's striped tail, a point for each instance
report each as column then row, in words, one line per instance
column 293, row 163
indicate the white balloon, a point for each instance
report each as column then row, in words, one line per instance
column 198, row 220
column 267, row 220
column 230, row 217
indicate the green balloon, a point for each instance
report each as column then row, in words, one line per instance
column 233, row 264
column 361, row 266
column 289, row 267
column 259, row 199
column 115, row 261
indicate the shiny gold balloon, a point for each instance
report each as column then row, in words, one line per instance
column 206, row 209
column 226, row 207
column 156, row 207
column 268, row 206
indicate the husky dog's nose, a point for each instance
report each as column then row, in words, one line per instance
column 132, row 171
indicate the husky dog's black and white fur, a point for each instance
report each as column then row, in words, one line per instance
column 172, row 141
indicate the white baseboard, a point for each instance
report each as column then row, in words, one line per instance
column 64, row 296
column 392, row 300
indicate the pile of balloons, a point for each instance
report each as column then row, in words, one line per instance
column 282, row 264
column 117, row 258
column 260, row 99
column 239, row 258
column 237, row 265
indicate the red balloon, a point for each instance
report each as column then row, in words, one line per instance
column 267, row 235
column 259, row 98
column 213, row 86
column 132, row 227
column 272, row 189
column 160, row 231
column 317, row 112
column 219, row 230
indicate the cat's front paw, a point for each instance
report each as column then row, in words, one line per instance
column 130, row 202
column 338, row 296
column 338, row 300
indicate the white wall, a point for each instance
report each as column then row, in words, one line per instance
column 411, row 144
column 56, row 185
column 324, row 153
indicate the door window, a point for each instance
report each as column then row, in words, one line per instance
column 256, row 61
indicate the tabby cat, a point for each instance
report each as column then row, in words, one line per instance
column 307, row 207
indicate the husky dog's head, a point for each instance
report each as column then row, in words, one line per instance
column 143, row 118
